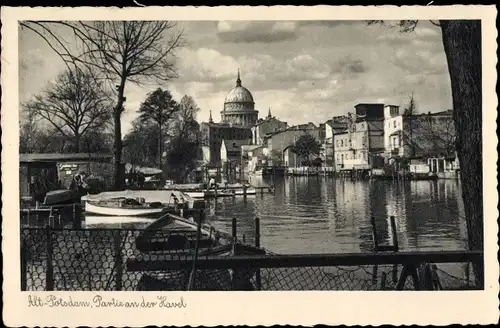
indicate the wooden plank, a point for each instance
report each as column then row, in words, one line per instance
column 305, row 260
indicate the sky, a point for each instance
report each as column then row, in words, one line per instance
column 304, row 71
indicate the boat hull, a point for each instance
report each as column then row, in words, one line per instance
column 118, row 211
column 150, row 196
column 91, row 220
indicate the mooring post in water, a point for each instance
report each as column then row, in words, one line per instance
column 375, row 248
column 395, row 245
column 49, row 274
column 118, row 260
column 374, row 234
column 234, row 233
column 257, row 244
column 394, row 230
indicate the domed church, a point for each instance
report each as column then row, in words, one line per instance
column 239, row 106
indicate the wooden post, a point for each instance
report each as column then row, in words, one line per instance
column 77, row 216
column 245, row 190
column 192, row 277
column 118, row 260
column 49, row 274
column 258, row 280
column 383, row 281
column 24, row 266
column 374, row 234
column 257, row 232
column 233, row 231
column 394, row 234
column 375, row 248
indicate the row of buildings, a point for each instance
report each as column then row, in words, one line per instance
column 373, row 135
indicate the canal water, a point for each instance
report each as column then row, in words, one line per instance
column 321, row 214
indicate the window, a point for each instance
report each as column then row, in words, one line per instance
column 338, row 143
column 394, row 123
column 342, row 157
column 342, row 143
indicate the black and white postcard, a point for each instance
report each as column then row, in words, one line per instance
column 249, row 166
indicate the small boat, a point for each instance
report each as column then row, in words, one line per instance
column 165, row 197
column 60, row 196
column 124, row 207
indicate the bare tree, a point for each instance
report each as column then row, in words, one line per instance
column 462, row 46
column 121, row 52
column 73, row 105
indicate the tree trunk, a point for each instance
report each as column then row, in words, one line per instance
column 118, row 145
column 462, row 45
column 77, row 142
column 160, row 141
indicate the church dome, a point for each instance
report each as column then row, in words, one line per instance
column 239, row 94
column 239, row 98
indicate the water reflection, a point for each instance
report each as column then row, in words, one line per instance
column 315, row 215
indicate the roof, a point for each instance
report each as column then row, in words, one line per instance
column 368, row 104
column 234, row 145
column 58, row 157
column 335, row 124
column 251, row 147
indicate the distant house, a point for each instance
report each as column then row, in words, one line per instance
column 417, row 135
column 250, row 156
column 337, row 124
column 230, row 151
column 266, row 126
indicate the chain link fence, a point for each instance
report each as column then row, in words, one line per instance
column 98, row 260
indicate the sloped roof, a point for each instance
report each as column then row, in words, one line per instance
column 59, row 157
column 251, row 147
column 234, row 145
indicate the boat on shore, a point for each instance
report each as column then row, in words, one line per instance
column 125, row 207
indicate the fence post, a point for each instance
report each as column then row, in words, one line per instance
column 24, row 264
column 258, row 281
column 234, row 232
column 77, row 216
column 192, row 276
column 49, row 274
column 118, row 260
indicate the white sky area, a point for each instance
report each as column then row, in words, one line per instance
column 305, row 71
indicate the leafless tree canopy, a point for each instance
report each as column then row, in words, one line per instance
column 73, row 104
column 117, row 51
